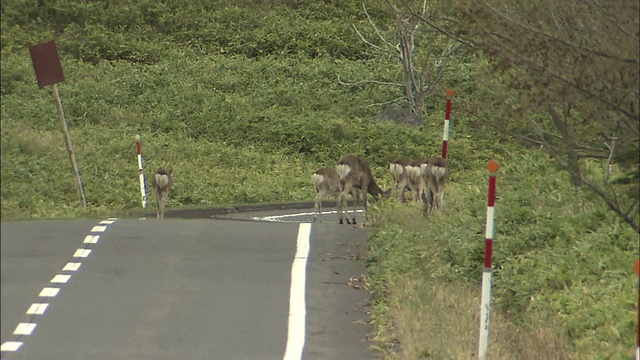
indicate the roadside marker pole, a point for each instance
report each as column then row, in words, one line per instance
column 143, row 183
column 445, row 133
column 637, row 269
column 447, row 117
column 487, row 274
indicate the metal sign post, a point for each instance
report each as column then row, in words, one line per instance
column 48, row 68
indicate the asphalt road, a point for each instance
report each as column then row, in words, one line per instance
column 182, row 289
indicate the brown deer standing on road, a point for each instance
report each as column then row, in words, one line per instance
column 327, row 182
column 354, row 172
column 162, row 182
column 435, row 173
column 399, row 175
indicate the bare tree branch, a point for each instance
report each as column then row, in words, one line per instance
column 555, row 38
column 366, row 82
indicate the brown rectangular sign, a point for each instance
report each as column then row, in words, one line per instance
column 46, row 63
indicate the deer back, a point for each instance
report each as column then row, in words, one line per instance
column 435, row 172
column 396, row 167
column 163, row 179
column 413, row 171
column 326, row 180
column 357, row 172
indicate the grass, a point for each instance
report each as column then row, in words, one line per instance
column 564, row 287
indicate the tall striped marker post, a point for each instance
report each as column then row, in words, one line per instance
column 637, row 270
column 445, row 133
column 143, row 183
column 447, row 117
column 487, row 273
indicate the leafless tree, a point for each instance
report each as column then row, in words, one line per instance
column 421, row 68
column 566, row 74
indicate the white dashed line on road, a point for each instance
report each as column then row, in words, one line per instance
column 37, row 308
column 72, row 266
column 82, row 253
column 61, row 279
column 91, row 239
column 24, row 329
column 98, row 228
column 11, row 346
column 49, row 292
column 27, row 328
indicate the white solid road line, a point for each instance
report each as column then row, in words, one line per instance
column 297, row 303
column 279, row 217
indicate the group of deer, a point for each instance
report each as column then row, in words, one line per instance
column 425, row 180
column 352, row 175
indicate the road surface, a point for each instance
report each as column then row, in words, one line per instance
column 237, row 287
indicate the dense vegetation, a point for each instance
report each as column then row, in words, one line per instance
column 245, row 99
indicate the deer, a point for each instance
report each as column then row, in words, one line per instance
column 162, row 182
column 435, row 173
column 415, row 180
column 399, row 175
column 326, row 182
column 354, row 172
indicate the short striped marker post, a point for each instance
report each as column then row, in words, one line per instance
column 143, row 183
column 447, row 117
column 487, row 273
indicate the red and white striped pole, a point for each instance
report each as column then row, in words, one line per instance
column 637, row 270
column 447, row 117
column 143, row 183
column 487, row 273
column 445, row 133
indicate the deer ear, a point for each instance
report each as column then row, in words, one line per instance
column 170, row 171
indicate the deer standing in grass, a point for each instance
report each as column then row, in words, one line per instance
column 399, row 175
column 435, row 173
column 415, row 180
column 162, row 182
column 354, row 172
column 326, row 182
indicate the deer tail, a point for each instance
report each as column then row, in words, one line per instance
column 343, row 171
column 162, row 180
column 396, row 170
column 317, row 179
column 413, row 171
column 438, row 171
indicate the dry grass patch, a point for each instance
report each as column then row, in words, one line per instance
column 440, row 320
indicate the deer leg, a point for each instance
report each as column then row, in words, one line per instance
column 316, row 207
column 427, row 200
column 402, row 184
column 356, row 199
column 163, row 201
column 155, row 190
column 344, row 189
column 340, row 201
column 424, row 204
column 365, row 200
